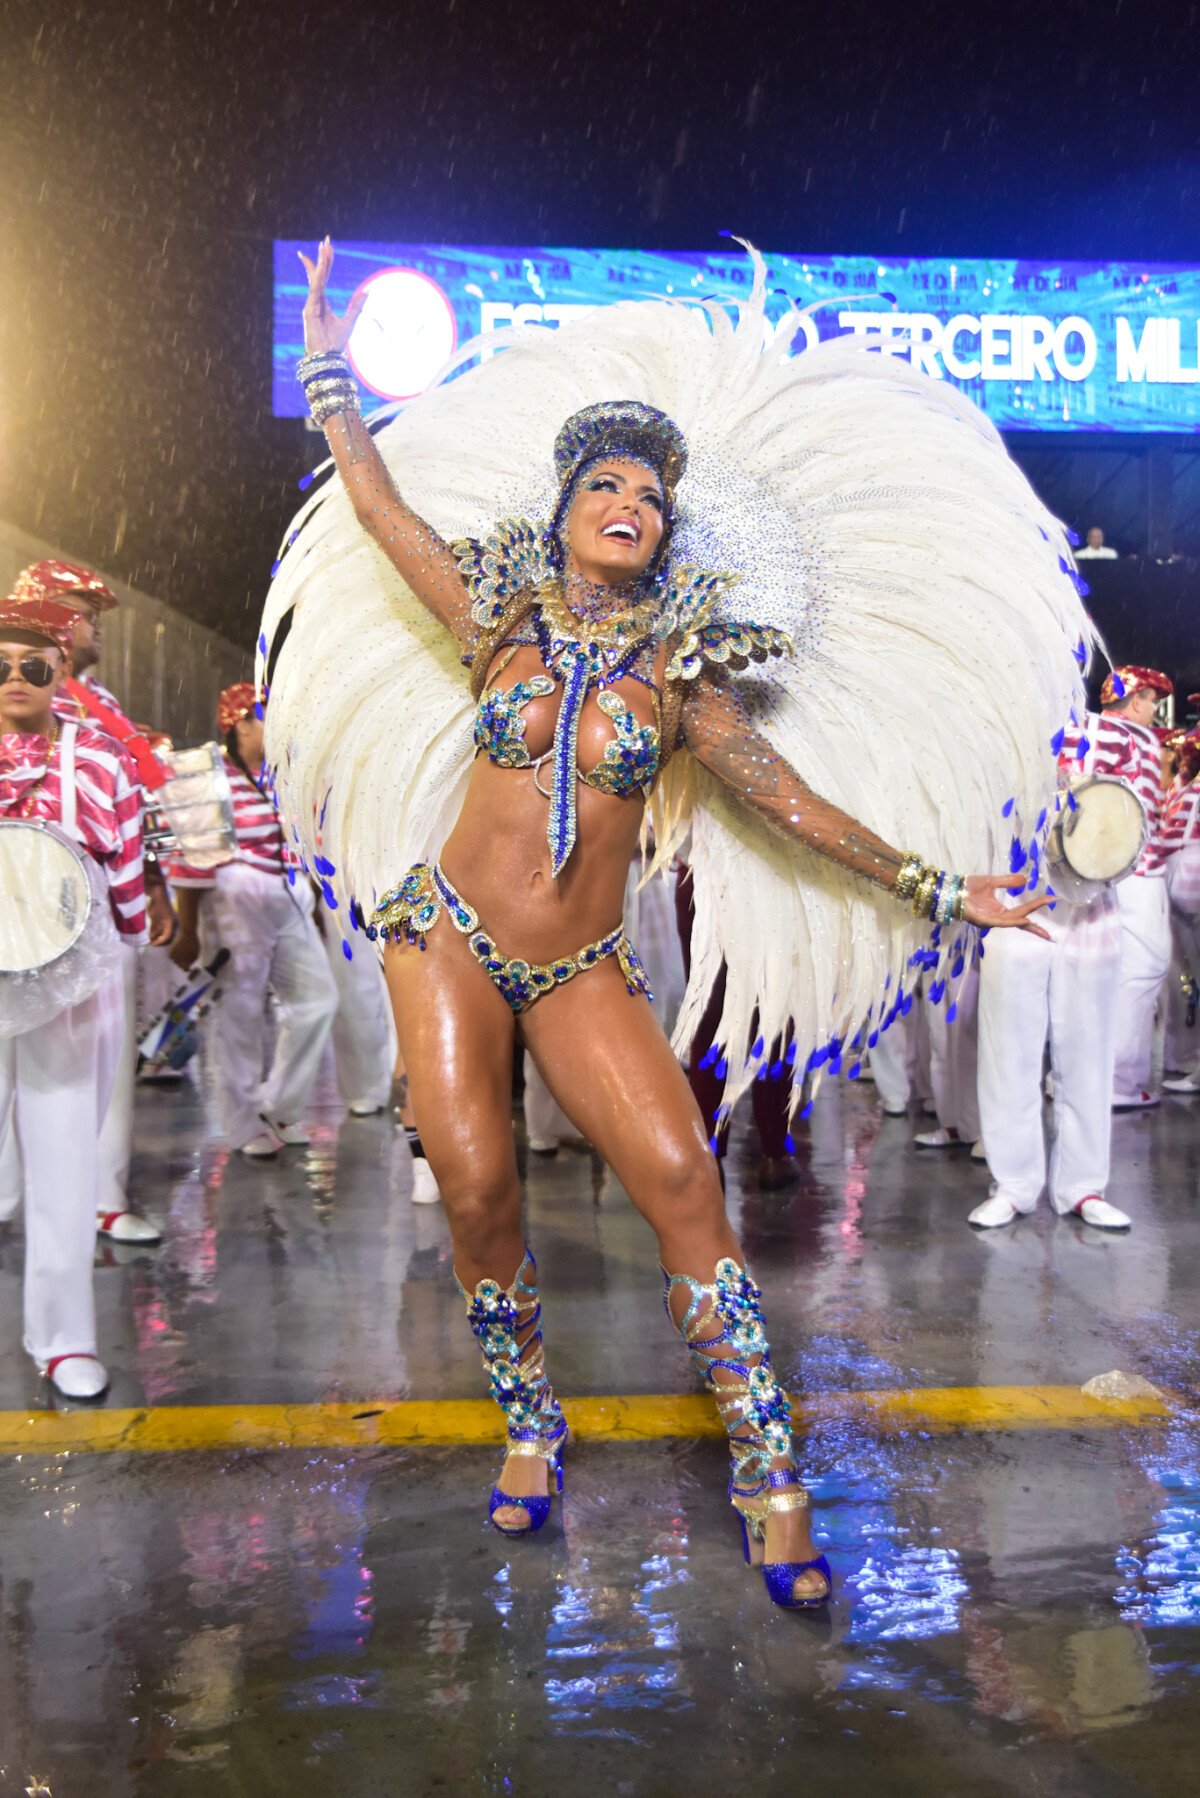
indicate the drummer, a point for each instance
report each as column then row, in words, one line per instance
column 1127, row 745
column 56, row 1078
column 90, row 597
column 1059, row 986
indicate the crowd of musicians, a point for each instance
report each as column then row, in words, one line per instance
column 1078, row 1016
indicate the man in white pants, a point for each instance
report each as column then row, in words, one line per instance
column 1125, row 744
column 89, row 596
column 1181, row 835
column 56, row 1075
column 259, row 908
column 1065, row 990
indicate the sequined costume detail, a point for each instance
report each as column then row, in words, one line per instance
column 500, row 722
column 416, row 905
column 724, row 1330
column 585, row 656
column 506, row 1324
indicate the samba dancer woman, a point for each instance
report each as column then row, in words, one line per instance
column 589, row 671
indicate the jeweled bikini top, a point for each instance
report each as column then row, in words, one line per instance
column 518, row 600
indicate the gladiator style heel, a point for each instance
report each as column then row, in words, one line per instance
column 505, row 1324
column 755, row 1411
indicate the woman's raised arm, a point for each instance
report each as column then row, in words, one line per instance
column 412, row 546
column 719, row 734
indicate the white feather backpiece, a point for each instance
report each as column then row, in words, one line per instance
column 874, row 515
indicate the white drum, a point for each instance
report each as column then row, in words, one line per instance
column 58, row 941
column 198, row 806
column 1096, row 839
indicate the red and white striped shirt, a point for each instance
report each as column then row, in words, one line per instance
column 107, row 809
column 1181, row 817
column 259, row 831
column 1131, row 752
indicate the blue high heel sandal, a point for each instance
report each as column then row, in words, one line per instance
column 726, row 1335
column 505, row 1323
column 535, row 1505
column 780, row 1577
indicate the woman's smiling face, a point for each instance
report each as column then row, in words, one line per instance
column 616, row 521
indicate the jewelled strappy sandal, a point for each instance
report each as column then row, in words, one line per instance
column 505, row 1324
column 757, row 1416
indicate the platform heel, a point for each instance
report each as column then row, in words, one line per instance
column 505, row 1323
column 723, row 1328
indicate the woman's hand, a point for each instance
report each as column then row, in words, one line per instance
column 983, row 905
column 323, row 329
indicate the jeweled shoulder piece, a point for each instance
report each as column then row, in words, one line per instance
column 734, row 644
column 497, row 567
column 695, row 617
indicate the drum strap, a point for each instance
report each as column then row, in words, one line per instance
column 66, row 767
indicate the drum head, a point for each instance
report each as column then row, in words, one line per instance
column 45, row 897
column 1104, row 836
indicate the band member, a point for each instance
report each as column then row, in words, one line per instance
column 1125, row 744
column 56, row 1078
column 259, row 908
column 1181, row 834
column 84, row 697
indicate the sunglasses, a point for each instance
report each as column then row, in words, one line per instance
column 33, row 668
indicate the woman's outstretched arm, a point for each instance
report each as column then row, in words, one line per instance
column 413, row 547
column 718, row 731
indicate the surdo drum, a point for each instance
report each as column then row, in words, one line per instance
column 1096, row 839
column 58, row 941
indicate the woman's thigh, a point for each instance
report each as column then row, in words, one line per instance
column 607, row 1062
column 456, row 1037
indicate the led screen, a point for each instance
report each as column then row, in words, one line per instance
column 1046, row 346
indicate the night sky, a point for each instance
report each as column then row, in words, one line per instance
column 150, row 154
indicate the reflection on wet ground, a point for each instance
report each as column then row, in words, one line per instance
column 1016, row 1612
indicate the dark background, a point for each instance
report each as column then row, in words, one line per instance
column 149, row 154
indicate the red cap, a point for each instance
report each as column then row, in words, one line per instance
column 45, row 618
column 235, row 703
column 1123, row 682
column 63, row 581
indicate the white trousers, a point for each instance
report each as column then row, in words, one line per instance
column 55, row 1084
column 273, row 944
column 1145, row 958
column 1182, row 1048
column 953, row 1056
column 116, row 1134
column 892, row 1060
column 1030, row 990
column 364, row 1039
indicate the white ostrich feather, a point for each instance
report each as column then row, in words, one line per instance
column 875, row 517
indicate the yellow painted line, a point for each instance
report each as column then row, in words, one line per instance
column 416, row 1423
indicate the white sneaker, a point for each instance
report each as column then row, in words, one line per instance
column 424, row 1186
column 263, row 1147
column 292, row 1136
column 1135, row 1101
column 978, row 1152
column 1100, row 1214
column 542, row 1145
column 1181, row 1083
column 940, row 1139
column 363, row 1108
column 77, row 1376
column 894, row 1108
column 127, row 1226
column 995, row 1211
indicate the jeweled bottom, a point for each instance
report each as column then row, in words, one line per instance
column 413, row 908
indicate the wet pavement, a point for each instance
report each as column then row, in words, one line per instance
column 1016, row 1611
